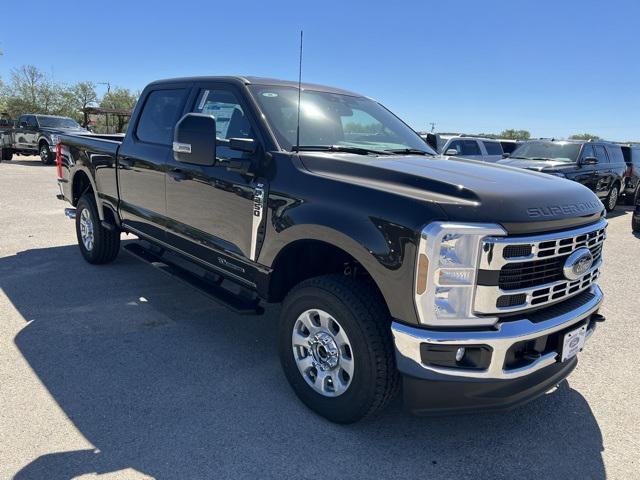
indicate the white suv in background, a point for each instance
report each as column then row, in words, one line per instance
column 474, row 148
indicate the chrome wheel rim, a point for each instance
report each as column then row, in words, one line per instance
column 613, row 198
column 323, row 353
column 86, row 229
column 44, row 155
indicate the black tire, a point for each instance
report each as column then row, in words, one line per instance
column 6, row 154
column 46, row 157
column 365, row 320
column 611, row 200
column 635, row 216
column 106, row 243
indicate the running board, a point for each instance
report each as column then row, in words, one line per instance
column 209, row 284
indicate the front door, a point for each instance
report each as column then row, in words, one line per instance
column 603, row 171
column 142, row 161
column 210, row 210
column 585, row 174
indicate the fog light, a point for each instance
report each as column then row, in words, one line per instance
column 460, row 354
column 468, row 357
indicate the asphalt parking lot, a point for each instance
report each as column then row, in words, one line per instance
column 122, row 372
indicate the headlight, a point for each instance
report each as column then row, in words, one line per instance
column 446, row 273
column 55, row 139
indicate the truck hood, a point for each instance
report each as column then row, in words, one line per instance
column 522, row 201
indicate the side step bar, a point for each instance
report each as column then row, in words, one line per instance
column 209, row 284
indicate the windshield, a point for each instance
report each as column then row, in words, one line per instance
column 334, row 120
column 560, row 151
column 57, row 122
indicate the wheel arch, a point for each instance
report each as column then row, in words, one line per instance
column 82, row 182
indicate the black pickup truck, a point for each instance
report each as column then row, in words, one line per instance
column 471, row 285
column 36, row 135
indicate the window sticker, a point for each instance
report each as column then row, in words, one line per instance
column 203, row 100
column 269, row 94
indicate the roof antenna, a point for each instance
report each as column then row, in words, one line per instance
column 299, row 94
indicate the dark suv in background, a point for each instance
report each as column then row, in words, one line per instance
column 632, row 175
column 597, row 165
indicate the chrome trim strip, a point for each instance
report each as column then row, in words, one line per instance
column 408, row 339
column 492, row 258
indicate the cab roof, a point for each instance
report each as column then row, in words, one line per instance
column 249, row 80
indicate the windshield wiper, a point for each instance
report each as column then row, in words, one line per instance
column 545, row 159
column 338, row 148
column 414, row 151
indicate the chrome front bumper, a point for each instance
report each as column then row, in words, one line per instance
column 408, row 340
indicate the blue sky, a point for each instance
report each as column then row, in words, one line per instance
column 552, row 67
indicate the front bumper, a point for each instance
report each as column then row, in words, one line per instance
column 505, row 384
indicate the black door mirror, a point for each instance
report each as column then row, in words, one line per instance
column 589, row 161
column 506, row 155
column 194, row 139
column 23, row 125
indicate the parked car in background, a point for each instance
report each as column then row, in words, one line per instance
column 474, row 148
column 598, row 165
column 5, row 123
column 632, row 175
column 37, row 135
column 436, row 141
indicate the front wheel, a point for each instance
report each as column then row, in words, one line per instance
column 98, row 245
column 46, row 157
column 611, row 200
column 336, row 348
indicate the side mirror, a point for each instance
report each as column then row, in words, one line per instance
column 589, row 161
column 451, row 152
column 194, row 139
column 23, row 125
column 506, row 155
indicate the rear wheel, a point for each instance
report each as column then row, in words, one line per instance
column 635, row 219
column 46, row 157
column 336, row 348
column 6, row 154
column 611, row 200
column 98, row 245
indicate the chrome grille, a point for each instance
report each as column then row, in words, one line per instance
column 518, row 273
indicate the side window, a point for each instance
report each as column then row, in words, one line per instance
column 159, row 116
column 615, row 154
column 601, row 154
column 587, row 151
column 457, row 145
column 470, row 147
column 21, row 119
column 493, row 148
column 31, row 121
column 231, row 121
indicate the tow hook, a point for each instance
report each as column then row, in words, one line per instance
column 70, row 213
column 596, row 317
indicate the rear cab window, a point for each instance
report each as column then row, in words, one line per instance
column 160, row 115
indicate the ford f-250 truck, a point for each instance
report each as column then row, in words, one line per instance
column 471, row 285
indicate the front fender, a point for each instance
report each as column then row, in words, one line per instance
column 386, row 250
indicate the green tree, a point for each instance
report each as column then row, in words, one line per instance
column 78, row 97
column 512, row 134
column 584, row 136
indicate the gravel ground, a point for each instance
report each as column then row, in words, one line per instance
column 121, row 372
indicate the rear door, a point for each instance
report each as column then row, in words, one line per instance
column 617, row 165
column 143, row 158
column 31, row 133
column 210, row 210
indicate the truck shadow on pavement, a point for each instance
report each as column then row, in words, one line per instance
column 162, row 380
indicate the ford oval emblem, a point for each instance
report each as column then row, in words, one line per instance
column 578, row 263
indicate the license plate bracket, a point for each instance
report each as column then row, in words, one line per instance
column 573, row 342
